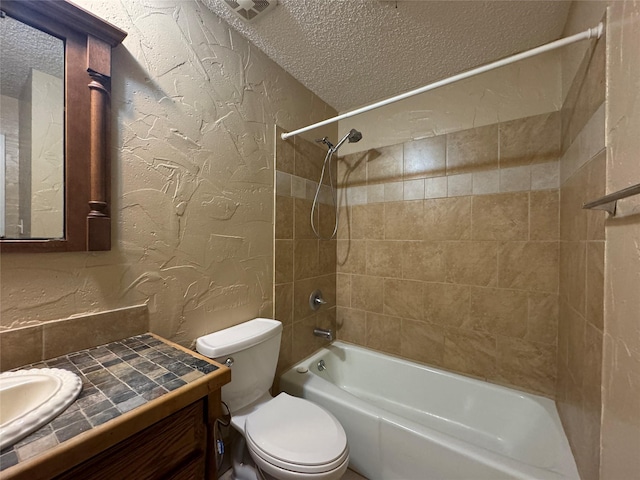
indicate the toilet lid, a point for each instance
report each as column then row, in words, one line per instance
column 310, row 440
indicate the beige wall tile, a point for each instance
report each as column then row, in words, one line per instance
column 500, row 217
column 285, row 158
column 595, row 188
column 302, row 219
column 573, row 274
column 367, row 293
column 576, row 347
column 486, row 182
column 393, row 192
column 446, row 304
column 284, row 303
column 343, row 290
column 542, row 326
column 283, row 184
column 545, row 176
column 284, row 217
column 384, row 258
column 326, row 220
column 472, row 263
column 447, row 219
column 305, row 259
column 384, row 333
column 459, row 185
column 595, row 284
column 544, row 215
column 73, row 334
column 327, row 257
column 468, row 352
column 528, row 364
column 387, row 166
column 529, row 266
column 366, row 222
column 304, row 343
column 498, row 311
column 403, row 298
column 413, row 189
column 351, row 256
column 308, row 159
column 283, row 261
column 472, row 150
column 20, row 346
column 352, row 169
column 351, row 325
column 423, row 261
column 515, row 179
column 285, row 358
column 530, row 140
column 421, row 341
column 404, row 220
column 425, row 157
column 435, row 187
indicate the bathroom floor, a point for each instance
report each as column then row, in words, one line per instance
column 350, row 475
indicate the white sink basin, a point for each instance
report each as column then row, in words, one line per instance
column 31, row 398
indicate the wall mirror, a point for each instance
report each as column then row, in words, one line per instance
column 54, row 127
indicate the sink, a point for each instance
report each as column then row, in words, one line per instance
column 31, row 398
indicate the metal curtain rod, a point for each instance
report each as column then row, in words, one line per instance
column 587, row 34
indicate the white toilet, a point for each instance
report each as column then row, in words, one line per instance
column 287, row 437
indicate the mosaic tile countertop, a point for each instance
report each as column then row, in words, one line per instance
column 116, row 378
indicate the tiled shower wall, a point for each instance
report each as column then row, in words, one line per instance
column 448, row 251
column 582, row 247
column 303, row 263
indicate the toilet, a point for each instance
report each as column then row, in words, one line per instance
column 288, row 438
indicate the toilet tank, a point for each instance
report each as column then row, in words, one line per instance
column 253, row 347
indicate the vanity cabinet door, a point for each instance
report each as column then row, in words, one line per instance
column 173, row 448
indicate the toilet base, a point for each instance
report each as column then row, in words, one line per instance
column 244, row 467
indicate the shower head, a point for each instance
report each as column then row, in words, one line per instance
column 353, row 136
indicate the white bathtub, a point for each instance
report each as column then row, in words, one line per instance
column 408, row 421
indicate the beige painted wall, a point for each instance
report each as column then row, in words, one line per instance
column 523, row 89
column 620, row 441
column 194, row 107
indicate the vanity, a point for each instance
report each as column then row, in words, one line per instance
column 148, row 409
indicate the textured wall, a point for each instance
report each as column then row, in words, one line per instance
column 522, row 89
column 448, row 251
column 194, row 108
column 620, row 438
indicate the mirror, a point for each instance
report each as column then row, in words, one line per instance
column 31, row 132
column 54, row 127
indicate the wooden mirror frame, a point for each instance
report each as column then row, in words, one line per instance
column 88, row 43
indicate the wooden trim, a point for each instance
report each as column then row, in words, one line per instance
column 88, row 43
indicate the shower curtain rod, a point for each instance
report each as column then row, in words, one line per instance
column 586, row 35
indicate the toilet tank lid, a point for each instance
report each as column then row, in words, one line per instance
column 233, row 339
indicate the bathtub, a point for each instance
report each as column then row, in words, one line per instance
column 408, row 421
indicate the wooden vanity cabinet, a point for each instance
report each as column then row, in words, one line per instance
column 175, row 447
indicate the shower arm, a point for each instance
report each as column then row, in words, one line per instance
column 585, row 35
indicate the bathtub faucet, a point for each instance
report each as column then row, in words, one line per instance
column 321, row 332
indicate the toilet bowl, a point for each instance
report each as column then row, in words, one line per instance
column 292, row 438
column 288, row 438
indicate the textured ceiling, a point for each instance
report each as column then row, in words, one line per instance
column 353, row 52
column 22, row 48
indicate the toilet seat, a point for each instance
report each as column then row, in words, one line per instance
column 310, row 441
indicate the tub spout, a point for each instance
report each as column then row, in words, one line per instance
column 321, row 332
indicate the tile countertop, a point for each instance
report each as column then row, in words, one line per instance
column 116, row 379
